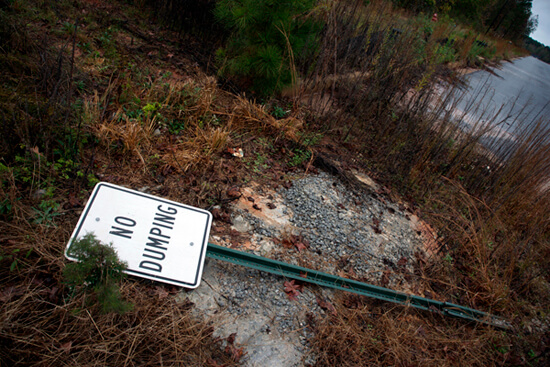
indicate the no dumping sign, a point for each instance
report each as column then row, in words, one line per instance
column 159, row 239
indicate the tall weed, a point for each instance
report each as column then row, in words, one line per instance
column 485, row 193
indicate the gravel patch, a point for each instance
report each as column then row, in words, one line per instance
column 339, row 223
column 349, row 233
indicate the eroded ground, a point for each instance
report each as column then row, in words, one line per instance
column 316, row 222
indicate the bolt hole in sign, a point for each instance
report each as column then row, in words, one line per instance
column 159, row 239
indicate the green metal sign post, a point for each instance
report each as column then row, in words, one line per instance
column 348, row 285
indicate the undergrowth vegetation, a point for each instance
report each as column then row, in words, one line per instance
column 267, row 38
column 98, row 269
column 88, row 95
column 363, row 334
column 488, row 207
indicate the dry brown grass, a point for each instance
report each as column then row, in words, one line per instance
column 135, row 135
column 254, row 117
column 497, row 239
column 207, row 118
column 197, row 151
column 43, row 323
column 365, row 334
column 39, row 330
column 115, row 127
column 490, row 212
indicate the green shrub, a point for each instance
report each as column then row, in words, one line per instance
column 479, row 50
column 445, row 53
column 98, row 269
column 267, row 37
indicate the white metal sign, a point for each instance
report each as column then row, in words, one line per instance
column 159, row 239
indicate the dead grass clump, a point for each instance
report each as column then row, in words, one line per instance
column 251, row 116
column 133, row 135
column 43, row 325
column 469, row 222
column 167, row 112
column 42, row 322
column 363, row 333
column 205, row 138
column 197, row 151
column 492, row 256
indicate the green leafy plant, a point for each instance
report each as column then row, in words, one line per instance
column 309, row 139
column 131, row 113
column 299, row 157
column 24, row 170
column 259, row 163
column 175, row 127
column 68, row 28
column 151, row 108
column 6, row 208
column 64, row 168
column 86, row 47
column 98, row 270
column 445, row 53
column 108, row 43
column 12, row 258
column 46, row 212
column 279, row 112
column 92, row 179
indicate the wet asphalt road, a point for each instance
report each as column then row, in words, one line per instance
column 514, row 98
column 523, row 84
